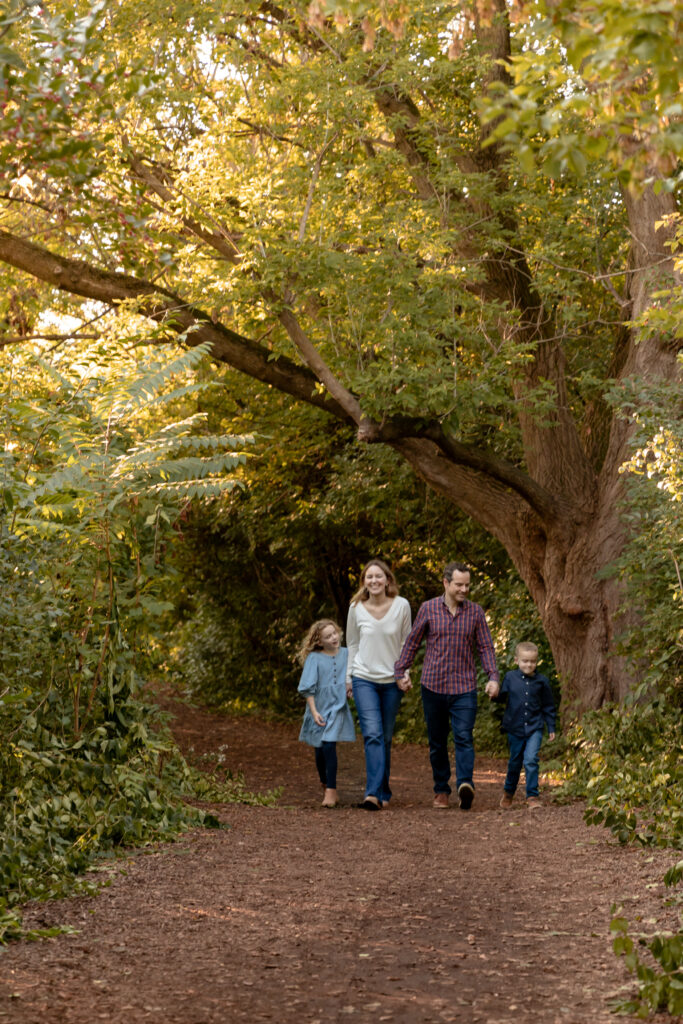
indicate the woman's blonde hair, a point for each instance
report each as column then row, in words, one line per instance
column 391, row 588
column 312, row 641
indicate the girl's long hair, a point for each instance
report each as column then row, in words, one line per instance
column 391, row 588
column 312, row 641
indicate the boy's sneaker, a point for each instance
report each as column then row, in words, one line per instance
column 533, row 803
column 506, row 800
column 465, row 795
column 441, row 801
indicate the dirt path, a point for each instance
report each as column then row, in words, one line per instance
column 299, row 914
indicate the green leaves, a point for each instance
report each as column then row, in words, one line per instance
column 626, row 762
column 593, row 79
column 657, row 990
column 95, row 481
column 43, row 100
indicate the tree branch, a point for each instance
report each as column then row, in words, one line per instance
column 247, row 356
column 12, row 339
column 160, row 182
column 544, row 503
column 317, row 364
column 500, row 511
column 311, row 188
column 162, row 306
column 483, row 461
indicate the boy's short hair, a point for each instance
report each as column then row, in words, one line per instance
column 526, row 647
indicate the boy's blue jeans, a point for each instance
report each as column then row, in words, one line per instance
column 445, row 712
column 523, row 752
column 377, row 705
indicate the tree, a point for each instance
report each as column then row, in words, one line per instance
column 464, row 255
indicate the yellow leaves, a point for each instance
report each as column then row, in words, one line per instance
column 485, row 11
column 393, row 15
column 316, row 14
column 369, row 34
column 517, row 12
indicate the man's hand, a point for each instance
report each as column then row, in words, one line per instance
column 551, row 736
column 404, row 682
column 492, row 688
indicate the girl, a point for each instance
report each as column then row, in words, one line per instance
column 378, row 623
column 328, row 717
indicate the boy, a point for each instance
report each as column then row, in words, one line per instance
column 530, row 705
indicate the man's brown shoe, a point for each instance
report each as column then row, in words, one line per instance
column 505, row 801
column 441, row 801
column 533, row 803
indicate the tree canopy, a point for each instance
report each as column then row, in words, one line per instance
column 453, row 226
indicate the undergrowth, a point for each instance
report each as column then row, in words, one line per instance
column 66, row 804
column 95, row 475
column 625, row 761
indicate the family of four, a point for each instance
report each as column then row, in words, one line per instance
column 374, row 669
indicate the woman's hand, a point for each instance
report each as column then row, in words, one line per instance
column 317, row 717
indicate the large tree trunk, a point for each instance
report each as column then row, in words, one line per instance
column 560, row 563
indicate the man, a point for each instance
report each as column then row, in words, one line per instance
column 452, row 628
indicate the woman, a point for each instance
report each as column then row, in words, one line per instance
column 378, row 623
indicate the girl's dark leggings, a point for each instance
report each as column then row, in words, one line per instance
column 326, row 763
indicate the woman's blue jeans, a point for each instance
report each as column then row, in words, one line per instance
column 523, row 752
column 377, row 705
column 445, row 712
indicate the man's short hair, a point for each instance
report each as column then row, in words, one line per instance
column 526, row 647
column 454, row 567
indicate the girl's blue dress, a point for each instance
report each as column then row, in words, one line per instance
column 324, row 679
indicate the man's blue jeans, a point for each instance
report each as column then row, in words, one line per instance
column 443, row 712
column 377, row 705
column 523, row 751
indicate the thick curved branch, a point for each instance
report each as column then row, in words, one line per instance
column 554, row 452
column 247, row 356
column 501, row 512
column 161, row 305
column 394, row 106
column 487, row 463
column 538, row 498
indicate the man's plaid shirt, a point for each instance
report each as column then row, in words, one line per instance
column 451, row 642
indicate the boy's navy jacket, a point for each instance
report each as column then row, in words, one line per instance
column 529, row 703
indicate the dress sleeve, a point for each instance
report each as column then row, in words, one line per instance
column 352, row 640
column 308, row 683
